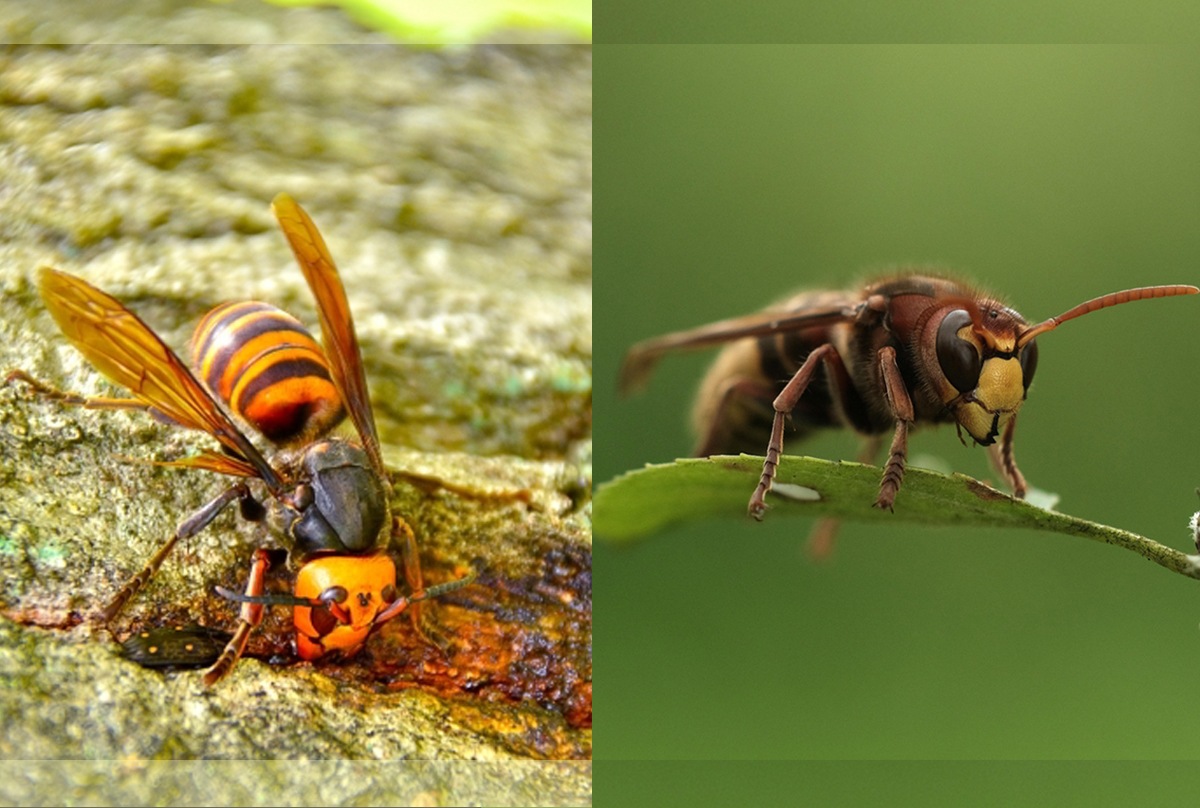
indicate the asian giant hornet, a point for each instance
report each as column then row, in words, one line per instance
column 327, row 498
column 899, row 351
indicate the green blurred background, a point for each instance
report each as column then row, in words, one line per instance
column 820, row 21
column 729, row 176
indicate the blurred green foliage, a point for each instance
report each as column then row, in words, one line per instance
column 933, row 21
column 465, row 21
column 730, row 176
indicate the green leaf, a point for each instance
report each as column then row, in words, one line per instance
column 643, row 502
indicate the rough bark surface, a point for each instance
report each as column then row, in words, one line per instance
column 454, row 191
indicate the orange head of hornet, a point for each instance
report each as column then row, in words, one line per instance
column 340, row 599
column 353, row 591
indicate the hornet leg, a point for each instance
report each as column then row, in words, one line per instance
column 784, row 404
column 901, row 406
column 1003, row 461
column 823, row 536
column 190, row 527
column 421, row 618
column 251, row 616
column 74, row 399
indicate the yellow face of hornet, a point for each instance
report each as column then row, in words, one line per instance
column 985, row 375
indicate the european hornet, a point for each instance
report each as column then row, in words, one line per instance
column 899, row 351
column 326, row 497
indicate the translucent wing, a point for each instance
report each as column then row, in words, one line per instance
column 125, row 350
column 337, row 325
column 641, row 359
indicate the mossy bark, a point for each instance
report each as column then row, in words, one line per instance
column 453, row 189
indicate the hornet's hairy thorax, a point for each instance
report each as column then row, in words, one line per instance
column 336, row 504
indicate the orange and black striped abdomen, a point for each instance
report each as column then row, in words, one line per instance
column 267, row 369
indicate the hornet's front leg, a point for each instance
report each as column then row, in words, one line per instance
column 902, row 408
column 251, row 616
column 1002, row 459
column 420, row 616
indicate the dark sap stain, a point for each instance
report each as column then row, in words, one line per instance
column 514, row 642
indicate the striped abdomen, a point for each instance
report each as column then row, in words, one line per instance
column 268, row 369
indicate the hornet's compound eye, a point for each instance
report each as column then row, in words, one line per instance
column 388, row 594
column 335, row 594
column 323, row 620
column 1028, row 362
column 959, row 359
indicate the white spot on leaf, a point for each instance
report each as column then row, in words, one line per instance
column 795, row 492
